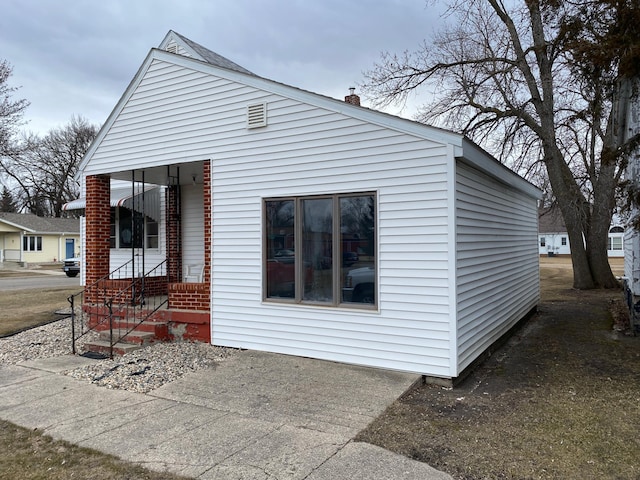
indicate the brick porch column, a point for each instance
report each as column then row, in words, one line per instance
column 206, row 187
column 96, row 254
column 174, row 255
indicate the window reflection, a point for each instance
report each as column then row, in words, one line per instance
column 280, row 249
column 317, row 245
column 357, row 242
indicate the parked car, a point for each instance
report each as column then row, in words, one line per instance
column 285, row 256
column 360, row 286
column 71, row 266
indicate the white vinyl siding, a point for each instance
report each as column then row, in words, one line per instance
column 192, row 217
column 632, row 259
column 497, row 260
column 176, row 115
column 309, row 151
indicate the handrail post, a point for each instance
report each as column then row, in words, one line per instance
column 70, row 299
column 109, row 305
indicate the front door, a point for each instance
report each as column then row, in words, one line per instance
column 70, row 248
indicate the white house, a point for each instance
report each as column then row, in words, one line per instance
column 324, row 229
column 553, row 238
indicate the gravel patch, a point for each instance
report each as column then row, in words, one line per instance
column 151, row 367
column 51, row 340
column 141, row 371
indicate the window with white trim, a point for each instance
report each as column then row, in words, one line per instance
column 126, row 229
column 615, row 243
column 321, row 249
column 31, row 243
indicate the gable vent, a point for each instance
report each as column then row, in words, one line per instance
column 172, row 47
column 257, row 115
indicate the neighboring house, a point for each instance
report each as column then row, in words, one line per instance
column 31, row 239
column 552, row 233
column 313, row 226
column 553, row 238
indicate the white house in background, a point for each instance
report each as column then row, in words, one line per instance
column 553, row 238
column 324, row 229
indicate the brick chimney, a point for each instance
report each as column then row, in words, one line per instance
column 352, row 98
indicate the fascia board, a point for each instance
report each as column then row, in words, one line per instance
column 18, row 226
column 480, row 159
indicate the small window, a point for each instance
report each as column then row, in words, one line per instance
column 563, row 241
column 542, row 241
column 616, row 230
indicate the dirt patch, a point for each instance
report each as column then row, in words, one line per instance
column 560, row 400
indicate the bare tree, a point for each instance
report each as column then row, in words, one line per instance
column 46, row 167
column 10, row 111
column 508, row 77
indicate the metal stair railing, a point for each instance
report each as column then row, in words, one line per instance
column 92, row 308
column 83, row 312
column 133, row 304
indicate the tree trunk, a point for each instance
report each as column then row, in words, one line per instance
column 575, row 213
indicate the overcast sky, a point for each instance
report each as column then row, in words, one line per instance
column 76, row 57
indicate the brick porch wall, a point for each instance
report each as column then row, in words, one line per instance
column 189, row 296
column 154, row 286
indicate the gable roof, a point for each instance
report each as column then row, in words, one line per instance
column 201, row 53
column 34, row 224
column 201, row 59
column 550, row 220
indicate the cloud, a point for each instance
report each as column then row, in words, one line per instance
column 77, row 57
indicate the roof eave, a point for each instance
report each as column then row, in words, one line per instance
column 482, row 160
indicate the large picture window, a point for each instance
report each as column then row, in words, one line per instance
column 321, row 249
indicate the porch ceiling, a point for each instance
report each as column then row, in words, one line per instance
column 165, row 174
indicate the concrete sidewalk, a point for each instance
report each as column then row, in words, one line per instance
column 255, row 416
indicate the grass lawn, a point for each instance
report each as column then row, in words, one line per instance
column 28, row 308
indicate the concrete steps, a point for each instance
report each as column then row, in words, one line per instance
column 146, row 333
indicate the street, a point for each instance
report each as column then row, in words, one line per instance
column 31, row 281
